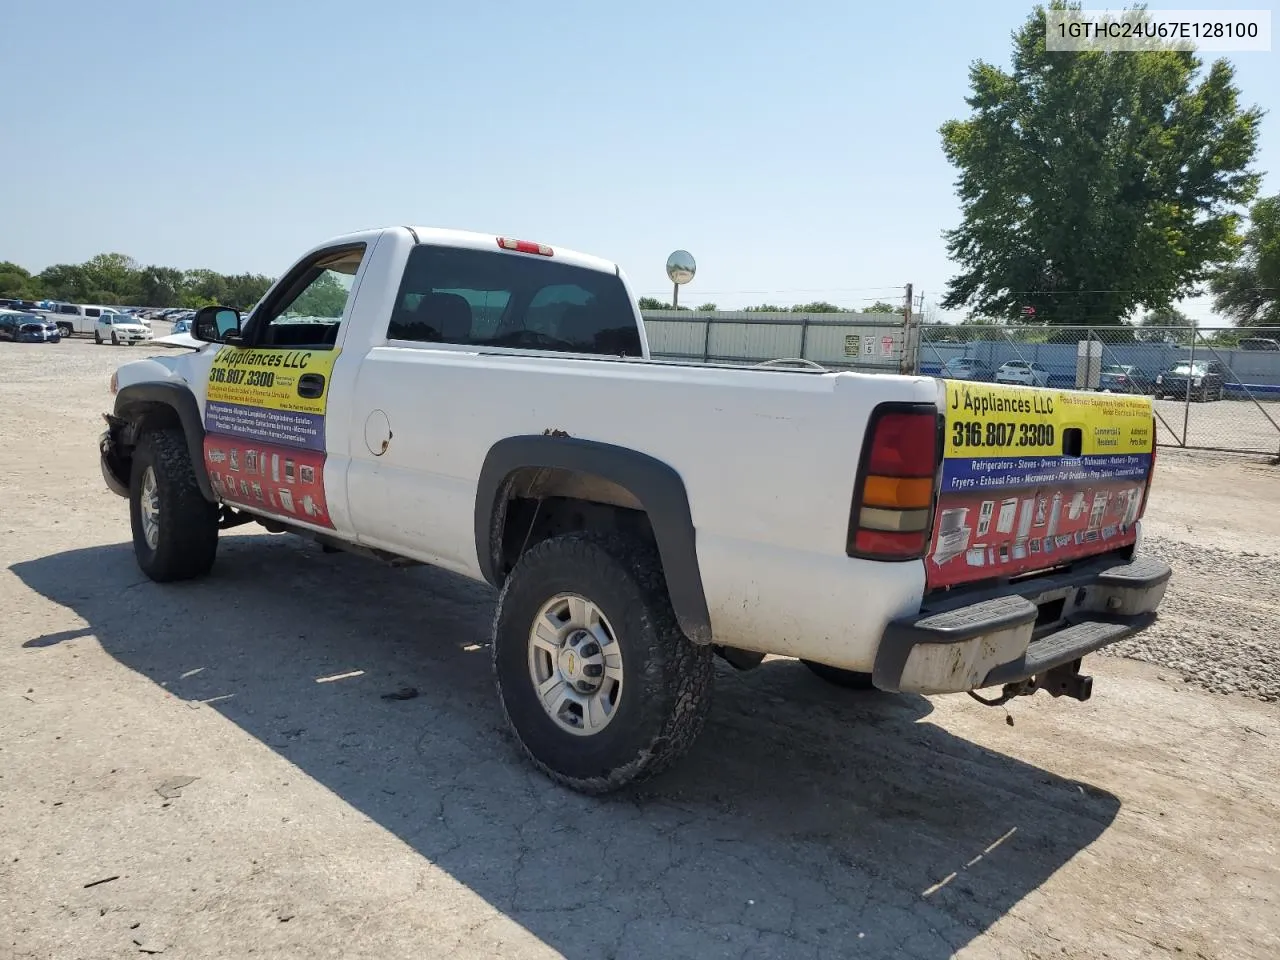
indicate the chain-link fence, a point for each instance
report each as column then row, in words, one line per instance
column 1213, row 388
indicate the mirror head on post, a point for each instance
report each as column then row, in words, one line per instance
column 216, row 324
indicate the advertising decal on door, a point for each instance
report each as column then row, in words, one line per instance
column 265, row 439
column 1011, row 502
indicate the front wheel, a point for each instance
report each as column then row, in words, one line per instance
column 97, row 337
column 175, row 529
column 115, row 340
column 597, row 681
column 65, row 329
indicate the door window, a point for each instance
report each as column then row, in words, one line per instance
column 309, row 310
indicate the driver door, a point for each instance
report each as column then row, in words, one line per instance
column 269, row 392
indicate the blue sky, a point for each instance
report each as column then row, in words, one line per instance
column 793, row 148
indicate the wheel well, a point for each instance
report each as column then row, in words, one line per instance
column 545, row 502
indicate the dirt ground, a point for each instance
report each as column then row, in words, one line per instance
column 211, row 769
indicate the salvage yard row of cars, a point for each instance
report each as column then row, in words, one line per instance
column 1202, row 380
column 28, row 321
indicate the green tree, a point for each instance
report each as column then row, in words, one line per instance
column 326, row 297
column 112, row 278
column 817, row 306
column 881, row 307
column 160, row 286
column 15, row 281
column 1248, row 291
column 1163, row 325
column 766, row 308
column 653, row 303
column 707, row 307
column 65, row 281
column 1092, row 183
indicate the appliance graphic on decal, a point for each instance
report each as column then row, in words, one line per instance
column 984, row 517
column 953, row 535
column 1008, row 510
column 286, row 499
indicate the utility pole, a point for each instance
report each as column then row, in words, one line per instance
column 910, row 338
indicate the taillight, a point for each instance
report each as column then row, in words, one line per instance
column 893, row 501
column 525, row 246
column 1151, row 470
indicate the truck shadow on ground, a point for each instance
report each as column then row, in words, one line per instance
column 808, row 821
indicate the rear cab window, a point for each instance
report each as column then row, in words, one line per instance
column 496, row 299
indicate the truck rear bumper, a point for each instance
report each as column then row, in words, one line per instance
column 990, row 638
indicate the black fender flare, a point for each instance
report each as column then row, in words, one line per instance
column 656, row 485
column 179, row 397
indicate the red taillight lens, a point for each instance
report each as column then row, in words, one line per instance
column 525, row 246
column 904, row 445
column 892, row 515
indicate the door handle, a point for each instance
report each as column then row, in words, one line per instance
column 310, row 385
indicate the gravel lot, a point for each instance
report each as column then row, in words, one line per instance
column 180, row 774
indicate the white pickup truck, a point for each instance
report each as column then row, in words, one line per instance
column 488, row 405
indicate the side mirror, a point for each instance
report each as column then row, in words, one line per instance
column 215, row 324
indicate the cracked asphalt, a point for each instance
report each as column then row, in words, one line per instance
column 211, row 769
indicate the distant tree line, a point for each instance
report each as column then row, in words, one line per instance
column 817, row 306
column 114, row 278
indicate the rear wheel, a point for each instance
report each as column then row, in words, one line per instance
column 598, row 683
column 175, row 529
column 850, row 679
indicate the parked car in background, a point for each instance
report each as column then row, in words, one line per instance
column 119, row 329
column 23, row 327
column 1201, row 380
column 967, row 368
column 182, row 325
column 1125, row 378
column 1259, row 343
column 1023, row 373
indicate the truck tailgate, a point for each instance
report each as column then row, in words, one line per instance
column 1034, row 478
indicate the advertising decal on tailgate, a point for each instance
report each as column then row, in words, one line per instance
column 264, row 443
column 1011, row 500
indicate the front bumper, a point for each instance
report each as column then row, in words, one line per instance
column 39, row 337
column 115, row 471
column 996, row 637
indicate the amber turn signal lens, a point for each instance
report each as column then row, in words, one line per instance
column 905, row 493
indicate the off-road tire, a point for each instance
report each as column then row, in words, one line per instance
column 849, row 679
column 188, row 530
column 667, row 682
